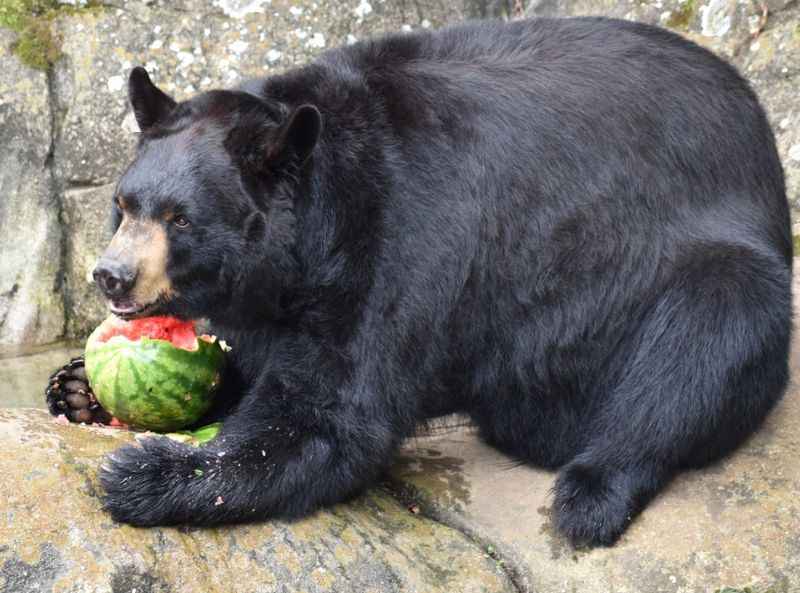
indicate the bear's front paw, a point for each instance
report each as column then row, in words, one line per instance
column 592, row 507
column 68, row 393
column 151, row 484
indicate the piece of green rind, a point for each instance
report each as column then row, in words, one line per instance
column 152, row 384
column 197, row 437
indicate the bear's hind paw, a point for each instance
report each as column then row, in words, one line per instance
column 591, row 508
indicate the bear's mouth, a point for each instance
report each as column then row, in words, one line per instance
column 130, row 309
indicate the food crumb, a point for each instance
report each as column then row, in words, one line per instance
column 219, row 501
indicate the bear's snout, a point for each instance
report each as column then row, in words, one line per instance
column 114, row 278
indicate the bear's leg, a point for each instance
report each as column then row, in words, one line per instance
column 283, row 452
column 697, row 378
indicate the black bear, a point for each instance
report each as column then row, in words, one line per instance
column 575, row 231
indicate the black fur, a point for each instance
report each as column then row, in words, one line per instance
column 574, row 231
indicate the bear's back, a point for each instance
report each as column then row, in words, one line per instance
column 598, row 108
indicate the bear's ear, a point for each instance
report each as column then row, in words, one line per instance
column 297, row 137
column 150, row 104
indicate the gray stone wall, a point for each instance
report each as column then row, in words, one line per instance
column 68, row 133
column 31, row 305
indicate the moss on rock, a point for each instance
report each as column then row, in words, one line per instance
column 38, row 45
column 681, row 17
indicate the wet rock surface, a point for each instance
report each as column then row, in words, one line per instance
column 55, row 538
column 735, row 524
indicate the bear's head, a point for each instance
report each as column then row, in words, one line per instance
column 204, row 217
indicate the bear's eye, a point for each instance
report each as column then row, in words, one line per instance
column 180, row 221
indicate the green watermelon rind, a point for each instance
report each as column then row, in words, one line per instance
column 152, row 384
column 197, row 437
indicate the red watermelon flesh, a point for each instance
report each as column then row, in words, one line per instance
column 180, row 334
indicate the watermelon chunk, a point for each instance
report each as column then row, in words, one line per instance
column 153, row 373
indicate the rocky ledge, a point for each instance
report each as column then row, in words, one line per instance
column 55, row 538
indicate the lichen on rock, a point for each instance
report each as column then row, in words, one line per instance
column 38, row 45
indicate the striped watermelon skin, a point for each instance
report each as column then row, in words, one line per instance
column 152, row 384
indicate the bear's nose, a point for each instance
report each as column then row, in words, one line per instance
column 114, row 279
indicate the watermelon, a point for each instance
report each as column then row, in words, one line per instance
column 153, row 373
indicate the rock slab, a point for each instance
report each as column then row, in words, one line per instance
column 55, row 538
column 31, row 305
